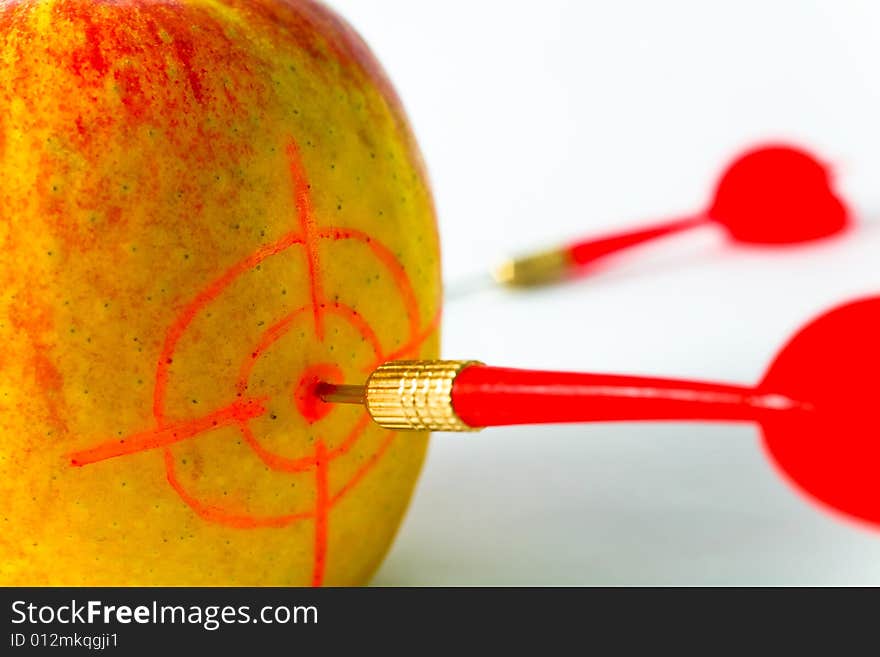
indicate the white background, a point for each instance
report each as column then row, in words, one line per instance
column 548, row 120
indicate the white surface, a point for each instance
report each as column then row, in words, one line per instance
column 548, row 120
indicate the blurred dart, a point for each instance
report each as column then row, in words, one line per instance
column 771, row 195
column 816, row 406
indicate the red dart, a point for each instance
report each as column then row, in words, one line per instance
column 816, row 406
column 772, row 195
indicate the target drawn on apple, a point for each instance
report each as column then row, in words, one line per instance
column 245, row 407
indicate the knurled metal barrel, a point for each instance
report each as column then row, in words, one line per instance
column 416, row 395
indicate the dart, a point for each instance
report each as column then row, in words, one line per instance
column 771, row 195
column 815, row 406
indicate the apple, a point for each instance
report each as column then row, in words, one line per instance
column 205, row 209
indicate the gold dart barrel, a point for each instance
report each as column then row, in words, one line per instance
column 534, row 270
column 415, row 395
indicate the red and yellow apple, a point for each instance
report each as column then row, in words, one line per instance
column 206, row 206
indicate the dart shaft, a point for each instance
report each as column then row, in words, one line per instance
column 549, row 266
column 467, row 395
column 492, row 396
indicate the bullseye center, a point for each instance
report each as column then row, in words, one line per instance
column 305, row 394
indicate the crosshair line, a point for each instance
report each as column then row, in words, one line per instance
column 240, row 411
column 322, row 511
column 303, row 201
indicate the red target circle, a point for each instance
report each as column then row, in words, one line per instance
column 243, row 408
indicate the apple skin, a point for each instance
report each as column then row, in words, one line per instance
column 203, row 204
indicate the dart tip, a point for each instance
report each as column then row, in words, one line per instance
column 465, row 287
column 332, row 393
